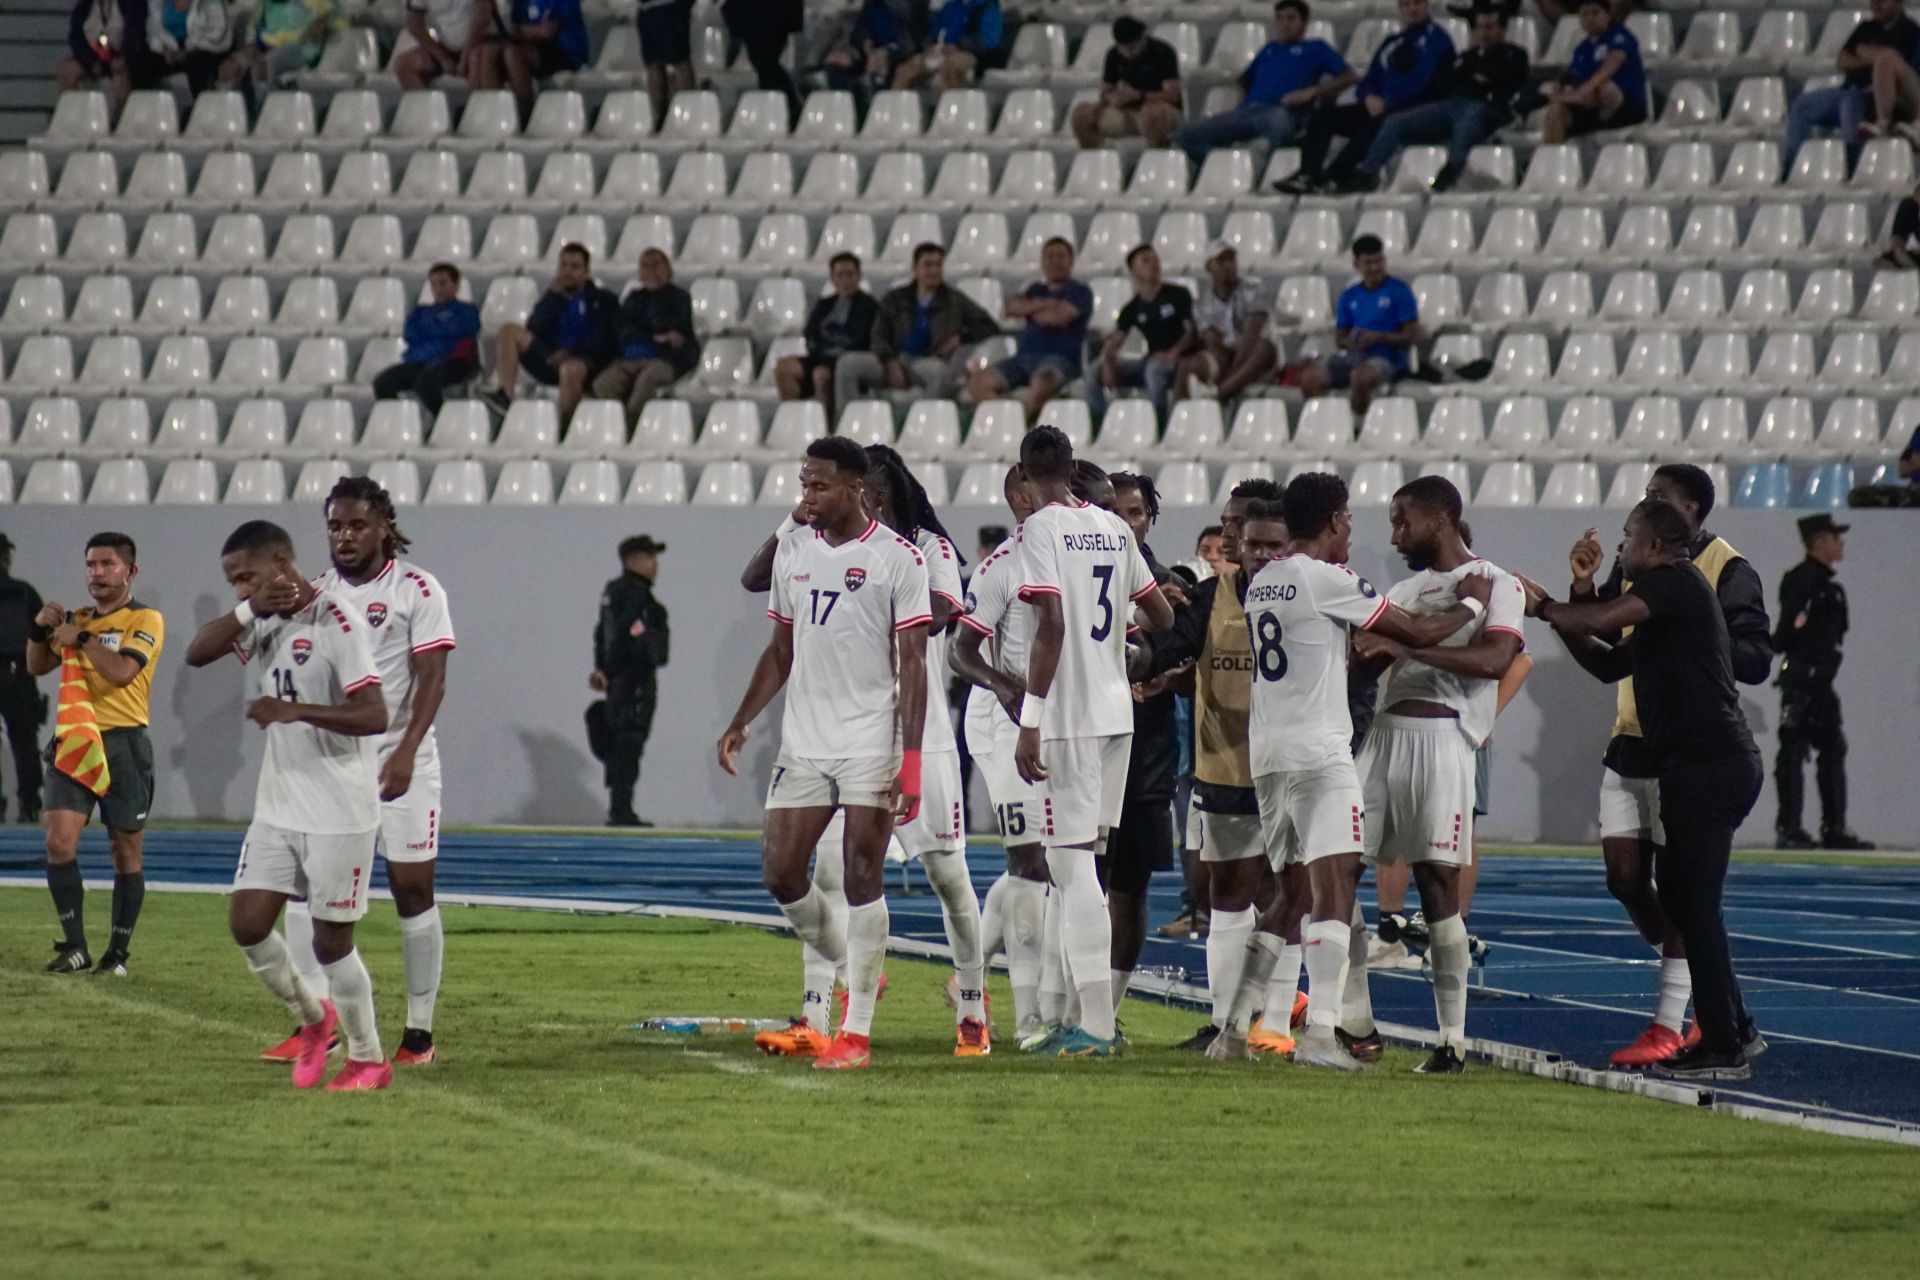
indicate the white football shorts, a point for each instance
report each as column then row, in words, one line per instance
column 410, row 825
column 1630, row 807
column 1417, row 787
column 798, row 783
column 1086, row 786
column 333, row 873
column 1309, row 814
column 941, row 824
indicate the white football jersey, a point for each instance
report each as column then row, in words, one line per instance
column 313, row 781
column 844, row 603
column 995, row 611
column 1432, row 591
column 406, row 612
column 1300, row 611
column 1088, row 558
column 943, row 581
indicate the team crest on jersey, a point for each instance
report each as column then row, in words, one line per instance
column 302, row 650
column 377, row 614
column 856, row 578
column 1366, row 588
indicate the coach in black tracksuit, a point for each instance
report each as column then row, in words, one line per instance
column 1681, row 662
column 1813, row 623
column 630, row 645
column 23, row 708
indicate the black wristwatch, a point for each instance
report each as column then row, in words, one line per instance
column 39, row 634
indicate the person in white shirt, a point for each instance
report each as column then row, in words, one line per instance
column 1081, row 572
column 850, row 606
column 1437, row 706
column 1301, row 609
column 411, row 631
column 1015, row 907
column 314, row 687
column 1230, row 314
column 444, row 37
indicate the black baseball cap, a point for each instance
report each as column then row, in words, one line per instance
column 1128, row 29
column 1812, row 526
column 641, row 545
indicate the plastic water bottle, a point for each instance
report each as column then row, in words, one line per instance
column 695, row 1025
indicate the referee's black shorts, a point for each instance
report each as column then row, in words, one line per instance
column 129, row 782
column 1141, row 845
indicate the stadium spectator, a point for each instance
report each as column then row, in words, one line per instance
column 1287, row 79
column 537, row 39
column 1163, row 313
column 1052, row 345
column 443, row 344
column 860, row 53
column 188, row 37
column 1409, row 68
column 840, row 322
column 965, row 38
column 1605, row 85
column 920, row 336
column 1140, row 92
column 1898, row 250
column 666, row 50
column 657, row 344
column 23, row 709
column 1230, row 317
column 443, row 38
column 764, row 28
column 568, row 338
column 1377, row 321
column 284, row 36
column 1480, row 93
column 1878, row 78
column 106, row 48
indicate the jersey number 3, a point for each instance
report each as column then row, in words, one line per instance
column 1269, row 659
column 1103, row 574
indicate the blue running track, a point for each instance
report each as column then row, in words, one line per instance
column 1829, row 956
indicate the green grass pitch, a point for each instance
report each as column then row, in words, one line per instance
column 140, row 1139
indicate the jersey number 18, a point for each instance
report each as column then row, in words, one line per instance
column 1269, row 658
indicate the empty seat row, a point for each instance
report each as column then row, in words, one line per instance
column 116, row 363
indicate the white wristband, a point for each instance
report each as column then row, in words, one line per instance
column 1031, row 709
column 1473, row 606
column 243, row 613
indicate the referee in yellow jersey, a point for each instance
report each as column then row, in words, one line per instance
column 105, row 654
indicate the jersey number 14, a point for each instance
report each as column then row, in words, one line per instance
column 283, row 685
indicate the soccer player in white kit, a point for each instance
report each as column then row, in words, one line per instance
column 314, row 687
column 1016, row 904
column 1436, row 707
column 411, row 631
column 1301, row 609
column 1081, row 572
column 937, row 836
column 850, row 610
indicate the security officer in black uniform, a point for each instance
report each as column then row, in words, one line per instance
column 629, row 648
column 23, row 708
column 1813, row 622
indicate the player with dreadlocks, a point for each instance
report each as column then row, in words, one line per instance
column 938, row 835
column 411, row 635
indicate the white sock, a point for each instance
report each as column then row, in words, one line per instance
column 1227, row 935
column 830, row 881
column 1053, row 965
column 1356, row 1002
column 812, row 920
column 1086, row 933
column 1283, row 988
column 1026, row 912
column 1325, row 950
column 993, row 918
column 1263, row 953
column 353, row 997
column 1122, row 979
column 300, row 947
column 1676, row 988
column 960, row 909
column 866, row 954
column 1447, row 949
column 423, row 942
column 271, row 963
